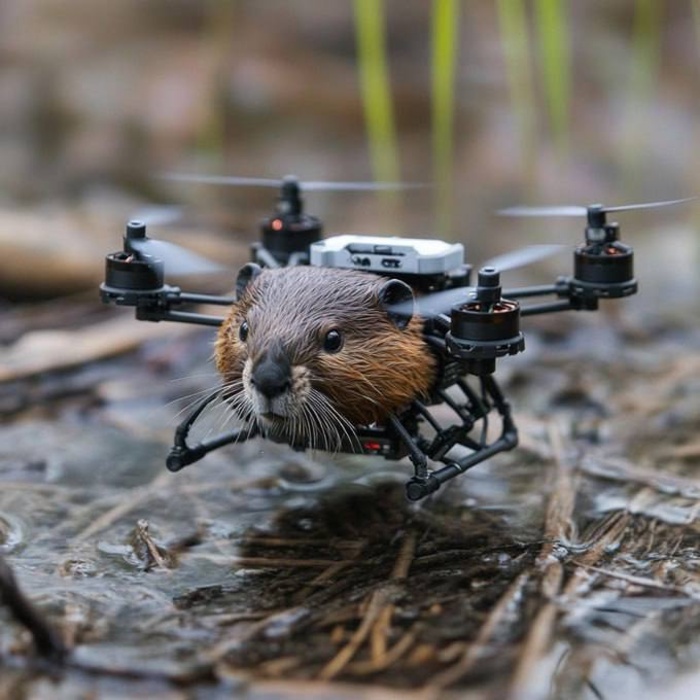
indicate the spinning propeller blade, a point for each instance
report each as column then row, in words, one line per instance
column 650, row 205
column 159, row 214
column 177, row 260
column 431, row 305
column 583, row 211
column 543, row 211
column 316, row 186
column 524, row 256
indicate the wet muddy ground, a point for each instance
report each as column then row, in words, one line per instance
column 568, row 568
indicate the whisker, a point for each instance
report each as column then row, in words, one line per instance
column 319, row 432
column 203, row 375
column 332, row 424
column 191, row 399
column 325, row 423
column 222, row 398
column 200, row 395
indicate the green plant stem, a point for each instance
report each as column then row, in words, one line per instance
column 555, row 66
column 644, row 73
column 516, row 50
column 376, row 96
column 445, row 41
column 217, row 33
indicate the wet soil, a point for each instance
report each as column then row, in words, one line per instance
column 569, row 567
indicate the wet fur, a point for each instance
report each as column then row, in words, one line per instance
column 379, row 369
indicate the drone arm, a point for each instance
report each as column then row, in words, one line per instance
column 417, row 488
column 415, row 454
column 157, row 305
column 420, row 486
column 533, row 291
column 161, row 310
column 188, row 298
column 149, row 314
column 549, row 308
column 570, row 298
column 181, row 454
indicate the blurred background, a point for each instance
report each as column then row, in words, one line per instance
column 495, row 103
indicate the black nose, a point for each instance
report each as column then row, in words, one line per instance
column 272, row 375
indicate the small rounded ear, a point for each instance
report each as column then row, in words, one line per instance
column 246, row 275
column 396, row 298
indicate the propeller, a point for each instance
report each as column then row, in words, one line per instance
column 159, row 214
column 524, row 256
column 595, row 213
column 177, row 260
column 437, row 303
column 307, row 186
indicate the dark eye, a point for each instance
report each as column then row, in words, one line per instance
column 243, row 331
column 333, row 341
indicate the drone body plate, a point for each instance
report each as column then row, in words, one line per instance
column 385, row 254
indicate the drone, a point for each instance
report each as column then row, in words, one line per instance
column 468, row 327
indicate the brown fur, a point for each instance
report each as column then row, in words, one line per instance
column 379, row 369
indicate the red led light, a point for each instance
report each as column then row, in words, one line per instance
column 372, row 446
column 277, row 224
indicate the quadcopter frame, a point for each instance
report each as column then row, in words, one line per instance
column 466, row 341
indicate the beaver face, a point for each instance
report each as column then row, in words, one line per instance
column 309, row 353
